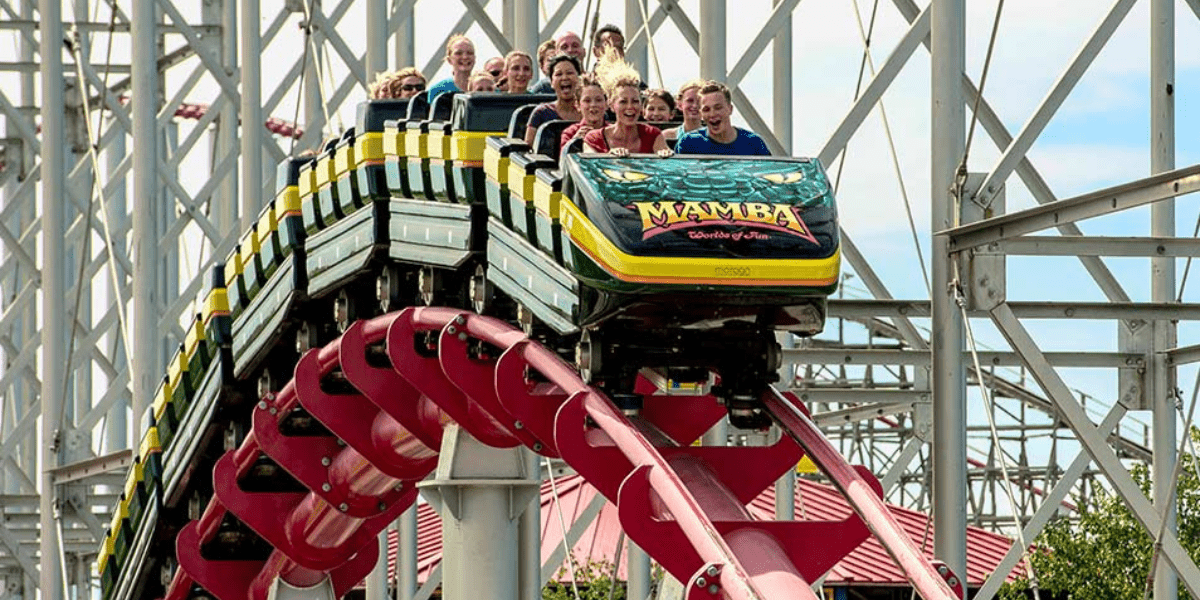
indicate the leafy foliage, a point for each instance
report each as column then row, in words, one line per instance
column 594, row 580
column 1106, row 554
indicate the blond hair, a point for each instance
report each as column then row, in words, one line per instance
column 476, row 76
column 456, row 38
column 379, row 89
column 399, row 77
column 614, row 73
column 387, row 83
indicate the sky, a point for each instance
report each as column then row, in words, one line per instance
column 1100, row 136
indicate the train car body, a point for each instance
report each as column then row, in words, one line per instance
column 670, row 270
column 698, row 242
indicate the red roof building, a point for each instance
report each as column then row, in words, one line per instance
column 868, row 566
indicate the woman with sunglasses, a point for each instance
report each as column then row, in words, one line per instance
column 407, row 82
column 495, row 66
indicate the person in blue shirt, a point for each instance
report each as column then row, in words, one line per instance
column 460, row 55
column 719, row 136
column 544, row 54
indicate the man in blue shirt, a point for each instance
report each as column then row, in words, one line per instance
column 719, row 136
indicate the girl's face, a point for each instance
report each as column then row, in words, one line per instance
column 656, row 110
column 483, row 84
column 520, row 71
column 592, row 103
column 565, row 80
column 627, row 105
column 462, row 56
column 689, row 103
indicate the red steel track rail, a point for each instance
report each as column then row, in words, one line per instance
column 385, row 389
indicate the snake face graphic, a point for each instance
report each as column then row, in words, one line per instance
column 799, row 183
column 681, row 193
column 624, row 175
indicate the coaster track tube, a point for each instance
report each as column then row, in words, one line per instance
column 701, row 492
column 931, row 579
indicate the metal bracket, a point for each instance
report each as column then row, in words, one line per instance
column 985, row 269
column 1136, row 337
column 281, row 590
column 467, row 463
column 83, row 469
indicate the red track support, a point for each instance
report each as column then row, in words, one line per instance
column 931, row 580
column 685, row 505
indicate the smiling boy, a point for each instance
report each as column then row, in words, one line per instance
column 719, row 136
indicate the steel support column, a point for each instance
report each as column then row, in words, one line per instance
column 781, row 99
column 117, row 428
column 147, row 347
column 53, row 321
column 529, row 531
column 785, row 487
column 406, row 556
column 405, row 36
column 638, row 57
column 1162, row 278
column 252, row 113
column 24, row 393
column 377, row 35
column 947, row 36
column 481, row 493
column 525, row 27
column 637, row 570
column 223, row 206
column 712, row 40
column 314, row 111
column 377, row 583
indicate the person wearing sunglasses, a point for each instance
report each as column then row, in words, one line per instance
column 495, row 66
column 407, row 82
column 402, row 84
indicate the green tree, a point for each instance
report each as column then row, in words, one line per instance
column 595, row 581
column 1105, row 554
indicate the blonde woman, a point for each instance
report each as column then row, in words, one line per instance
column 518, row 67
column 627, row 135
column 406, row 83
column 481, row 81
column 460, row 55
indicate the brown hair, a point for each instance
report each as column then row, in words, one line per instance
column 712, row 87
column 543, row 53
column 588, row 80
column 661, row 94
